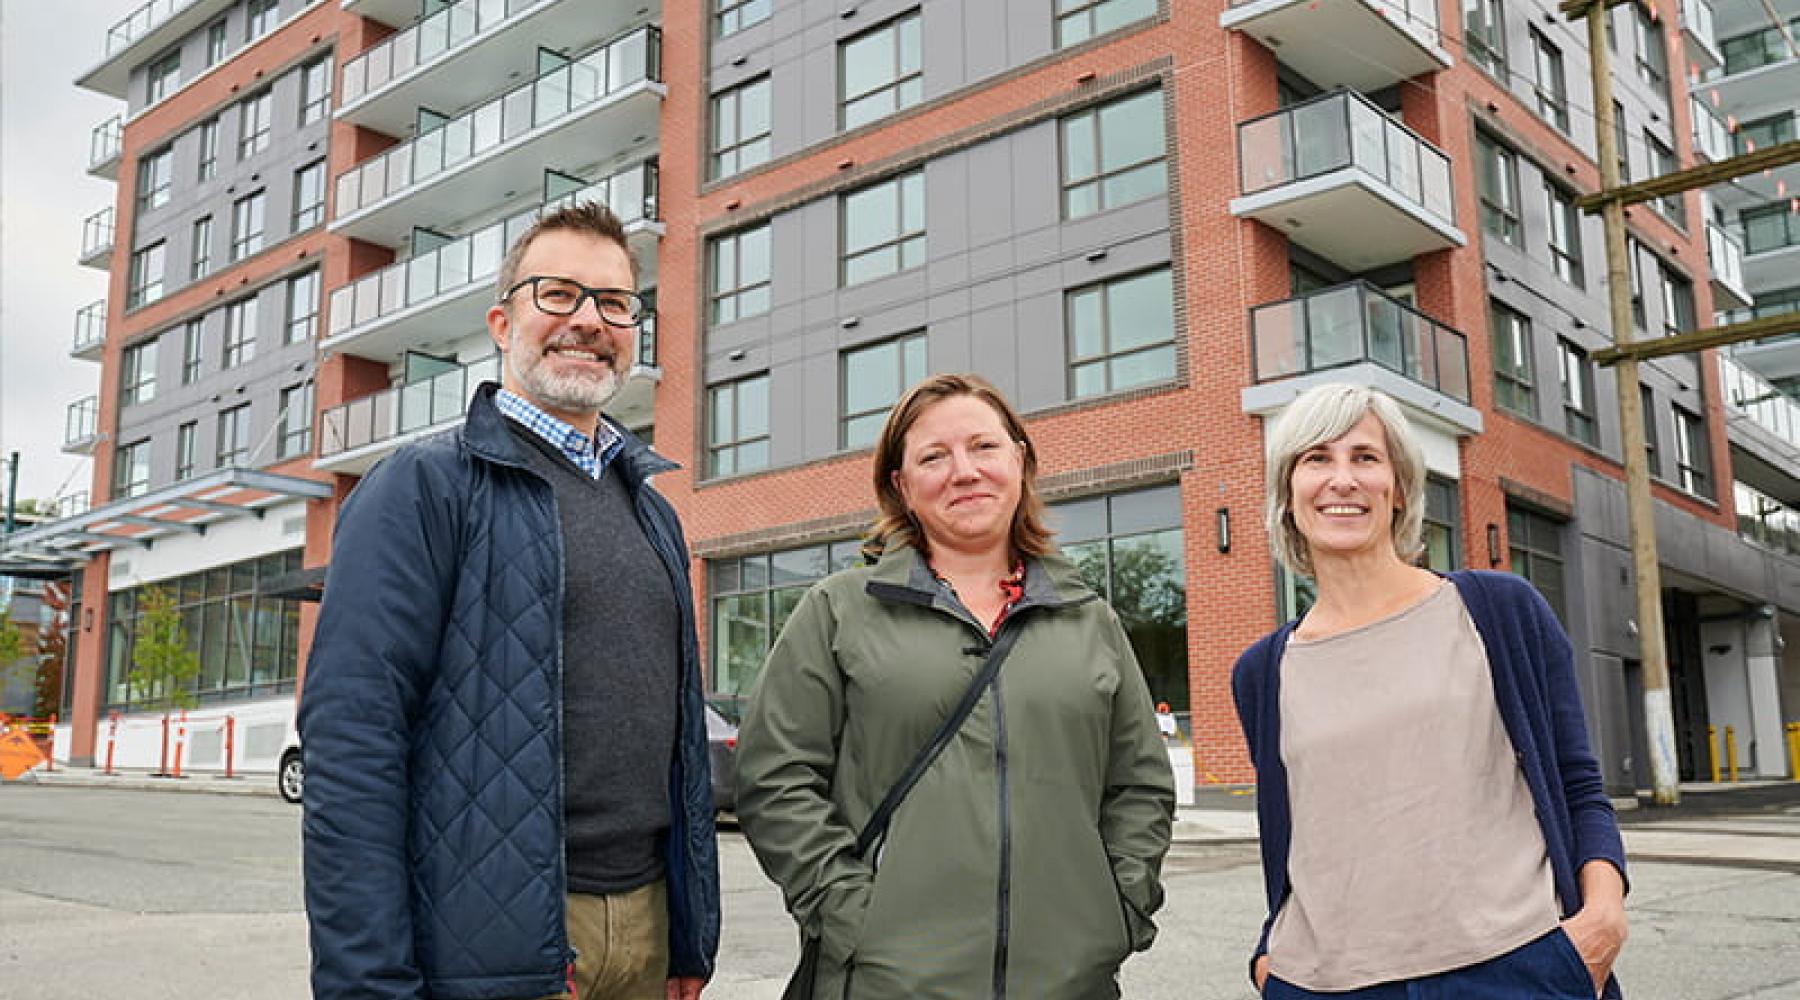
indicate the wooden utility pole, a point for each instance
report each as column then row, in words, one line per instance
column 1659, row 717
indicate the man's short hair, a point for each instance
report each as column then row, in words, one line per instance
column 590, row 218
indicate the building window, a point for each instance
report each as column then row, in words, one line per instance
column 234, row 437
column 733, row 16
column 156, row 173
column 1770, row 227
column 1647, row 408
column 1552, row 89
column 1634, row 271
column 1652, row 56
column 1619, row 133
column 1565, row 234
column 260, row 18
column 740, row 128
column 164, row 76
column 1534, row 544
column 193, row 343
column 752, row 597
column 1079, row 20
column 302, row 308
column 209, row 149
column 737, row 437
column 1497, row 180
column 185, row 448
column 248, row 644
column 1514, row 388
column 1442, row 533
column 201, row 263
column 146, row 279
column 872, row 380
column 881, row 72
column 1662, row 161
column 309, row 195
column 1693, row 454
column 739, row 273
column 1678, row 303
column 315, row 90
column 884, row 228
column 1129, row 549
column 215, row 42
column 131, row 470
column 1484, row 34
column 294, row 437
column 1763, row 133
column 1577, row 393
column 1121, row 334
column 1113, row 155
column 255, row 120
column 137, row 373
column 240, row 333
column 247, row 225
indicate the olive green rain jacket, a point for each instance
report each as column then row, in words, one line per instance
column 1026, row 862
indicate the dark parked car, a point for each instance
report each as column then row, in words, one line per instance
column 722, row 714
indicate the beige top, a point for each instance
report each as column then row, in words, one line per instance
column 1415, row 847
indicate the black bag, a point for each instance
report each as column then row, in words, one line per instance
column 800, row 985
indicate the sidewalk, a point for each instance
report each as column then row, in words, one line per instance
column 207, row 784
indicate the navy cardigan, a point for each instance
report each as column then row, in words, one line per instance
column 1533, row 669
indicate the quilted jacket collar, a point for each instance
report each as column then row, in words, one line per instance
column 484, row 433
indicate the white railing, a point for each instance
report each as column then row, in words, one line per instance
column 90, row 326
column 403, row 51
column 1711, row 139
column 474, row 259
column 97, row 233
column 1725, row 254
column 402, row 409
column 81, row 421
column 1765, row 405
column 563, row 91
column 106, row 142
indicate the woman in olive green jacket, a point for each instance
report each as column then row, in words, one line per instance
column 1025, row 862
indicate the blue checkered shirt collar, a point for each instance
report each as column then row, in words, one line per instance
column 590, row 455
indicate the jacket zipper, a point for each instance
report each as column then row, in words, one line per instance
column 1003, row 912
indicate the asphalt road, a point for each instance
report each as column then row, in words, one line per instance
column 112, row 891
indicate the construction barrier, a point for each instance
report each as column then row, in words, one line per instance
column 1793, row 749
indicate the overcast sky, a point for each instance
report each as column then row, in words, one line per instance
column 45, row 193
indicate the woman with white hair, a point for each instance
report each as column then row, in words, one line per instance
column 1433, row 822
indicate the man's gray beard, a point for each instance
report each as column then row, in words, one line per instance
column 569, row 393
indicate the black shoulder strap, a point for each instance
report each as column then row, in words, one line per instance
column 884, row 812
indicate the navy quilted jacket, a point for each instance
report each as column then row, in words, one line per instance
column 431, row 719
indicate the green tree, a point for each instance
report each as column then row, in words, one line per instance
column 163, row 666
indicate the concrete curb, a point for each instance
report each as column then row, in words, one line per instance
column 195, row 784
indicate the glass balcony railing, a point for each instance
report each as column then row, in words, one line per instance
column 1353, row 323
column 1771, row 227
column 90, row 326
column 564, row 91
column 401, row 52
column 106, row 142
column 1765, row 520
column 402, row 409
column 1756, row 49
column 475, row 258
column 81, row 422
column 1725, row 254
column 97, row 234
column 138, row 23
column 1697, row 19
column 1765, row 405
column 1711, row 139
column 1340, row 130
column 71, row 504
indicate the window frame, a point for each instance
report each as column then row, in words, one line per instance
column 1485, row 43
column 141, row 287
column 735, row 444
column 193, row 349
column 1515, row 372
column 904, row 243
column 1511, row 227
column 1525, row 543
column 209, row 148
column 250, row 210
column 218, row 43
column 260, row 18
column 1100, row 178
column 1107, row 356
column 1553, row 93
column 137, row 373
column 315, row 107
column 162, row 77
column 187, row 437
column 307, row 215
column 903, row 378
column 1090, row 12
column 239, row 344
column 301, row 290
column 155, row 179
column 728, row 15
column 1693, row 453
column 1564, row 234
column 1576, row 374
column 719, row 294
column 897, row 85
column 256, row 123
column 293, row 435
column 131, row 469
column 742, row 153
column 200, row 248
column 234, row 430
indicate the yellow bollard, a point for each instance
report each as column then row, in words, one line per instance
column 1712, row 751
column 1793, row 741
column 1731, row 751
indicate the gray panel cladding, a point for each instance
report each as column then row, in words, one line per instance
column 271, row 170
column 192, row 48
column 991, row 296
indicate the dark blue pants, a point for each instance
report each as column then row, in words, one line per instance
column 1548, row 968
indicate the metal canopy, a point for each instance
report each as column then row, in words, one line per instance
column 184, row 508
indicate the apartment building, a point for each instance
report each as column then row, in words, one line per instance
column 1152, row 224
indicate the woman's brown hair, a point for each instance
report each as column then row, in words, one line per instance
column 895, row 524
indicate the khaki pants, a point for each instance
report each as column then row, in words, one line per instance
column 621, row 944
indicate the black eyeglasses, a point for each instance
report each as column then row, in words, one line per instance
column 563, row 297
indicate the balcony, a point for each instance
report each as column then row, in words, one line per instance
column 80, row 430
column 1756, row 66
column 1697, row 36
column 1357, row 333
column 143, row 33
column 1711, row 139
column 451, row 59
column 354, row 435
column 97, row 239
column 393, row 13
column 441, row 294
column 1750, row 395
column 1771, row 244
column 90, row 331
column 607, row 100
column 105, row 143
column 1725, row 259
column 1341, row 178
column 1360, row 44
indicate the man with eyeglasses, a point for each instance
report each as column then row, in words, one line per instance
column 507, row 782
